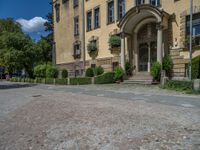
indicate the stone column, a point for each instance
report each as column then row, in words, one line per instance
column 123, row 50
column 159, row 43
column 135, row 52
column 149, row 56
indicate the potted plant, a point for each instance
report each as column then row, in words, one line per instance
column 92, row 49
column 115, row 44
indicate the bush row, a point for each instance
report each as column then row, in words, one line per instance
column 179, row 85
column 105, row 78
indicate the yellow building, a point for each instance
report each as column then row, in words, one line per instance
column 108, row 33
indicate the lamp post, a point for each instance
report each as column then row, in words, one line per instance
column 190, row 63
column 83, row 34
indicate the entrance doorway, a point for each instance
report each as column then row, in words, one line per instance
column 147, row 47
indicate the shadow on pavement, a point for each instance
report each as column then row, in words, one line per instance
column 13, row 86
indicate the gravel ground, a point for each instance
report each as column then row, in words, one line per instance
column 37, row 118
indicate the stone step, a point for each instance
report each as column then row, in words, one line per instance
column 178, row 74
column 180, row 61
column 177, row 57
column 176, row 66
column 142, row 82
column 181, row 70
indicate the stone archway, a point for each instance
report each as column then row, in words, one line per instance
column 132, row 22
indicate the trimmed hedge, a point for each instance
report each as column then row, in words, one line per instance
column 105, row 78
column 179, row 85
column 61, row 81
column 80, row 81
column 49, row 81
column 39, row 80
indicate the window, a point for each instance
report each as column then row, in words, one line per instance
column 195, row 29
column 57, row 7
column 155, row 2
column 89, row 21
column 76, row 26
column 96, row 17
column 139, row 2
column 121, row 9
column 75, row 3
column 77, row 51
column 111, row 12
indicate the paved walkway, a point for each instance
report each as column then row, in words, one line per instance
column 105, row 117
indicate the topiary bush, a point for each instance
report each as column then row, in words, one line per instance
column 80, row 81
column 64, row 73
column 98, row 70
column 156, row 71
column 196, row 68
column 114, row 41
column 89, row 72
column 167, row 65
column 119, row 72
column 105, row 78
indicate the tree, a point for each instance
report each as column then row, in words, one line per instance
column 17, row 50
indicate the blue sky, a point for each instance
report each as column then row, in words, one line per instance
column 29, row 13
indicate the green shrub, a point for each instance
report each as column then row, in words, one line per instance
column 114, row 41
column 119, row 72
column 62, row 81
column 156, row 71
column 40, row 71
column 80, row 81
column 179, row 85
column 64, row 73
column 45, row 70
column 49, row 80
column 51, row 72
column 129, row 68
column 89, row 72
column 14, row 79
column 105, row 78
column 167, row 65
column 196, row 68
column 98, row 71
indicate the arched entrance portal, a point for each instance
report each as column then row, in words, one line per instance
column 147, row 49
column 143, row 30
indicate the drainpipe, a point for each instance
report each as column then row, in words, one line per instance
column 83, row 34
column 190, row 64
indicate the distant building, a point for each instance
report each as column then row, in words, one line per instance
column 148, row 30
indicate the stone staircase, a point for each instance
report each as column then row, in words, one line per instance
column 143, row 78
column 178, row 63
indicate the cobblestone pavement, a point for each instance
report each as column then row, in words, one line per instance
column 104, row 117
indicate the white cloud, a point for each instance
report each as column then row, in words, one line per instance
column 35, row 24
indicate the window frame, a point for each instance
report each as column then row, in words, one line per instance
column 118, row 9
column 89, row 28
column 99, row 16
column 76, row 26
column 113, row 12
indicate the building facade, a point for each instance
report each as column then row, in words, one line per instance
column 108, row 33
